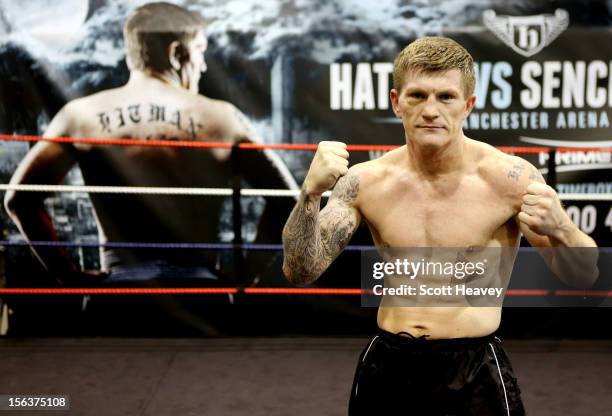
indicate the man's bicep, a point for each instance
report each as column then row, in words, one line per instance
column 49, row 162
column 340, row 218
column 45, row 163
column 338, row 223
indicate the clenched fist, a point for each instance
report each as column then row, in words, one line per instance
column 541, row 210
column 329, row 164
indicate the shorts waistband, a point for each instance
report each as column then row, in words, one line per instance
column 407, row 340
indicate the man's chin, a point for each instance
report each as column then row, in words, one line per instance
column 432, row 140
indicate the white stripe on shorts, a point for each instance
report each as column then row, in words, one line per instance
column 501, row 378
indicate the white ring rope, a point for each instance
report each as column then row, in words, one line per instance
column 585, row 197
column 151, row 190
column 213, row 191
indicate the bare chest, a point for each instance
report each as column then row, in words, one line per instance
column 467, row 214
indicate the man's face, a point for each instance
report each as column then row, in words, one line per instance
column 196, row 65
column 432, row 107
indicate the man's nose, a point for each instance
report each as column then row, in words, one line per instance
column 430, row 109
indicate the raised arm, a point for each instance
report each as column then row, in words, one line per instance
column 312, row 239
column 568, row 252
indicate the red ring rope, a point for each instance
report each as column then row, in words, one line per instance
column 280, row 146
column 257, row 291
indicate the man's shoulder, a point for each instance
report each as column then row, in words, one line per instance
column 372, row 174
column 168, row 96
column 76, row 115
column 387, row 160
column 223, row 117
column 93, row 103
column 211, row 106
column 509, row 175
column 374, row 169
column 67, row 120
column 99, row 97
column 225, row 110
column 488, row 157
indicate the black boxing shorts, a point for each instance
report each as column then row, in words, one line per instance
column 403, row 375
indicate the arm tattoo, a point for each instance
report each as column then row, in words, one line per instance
column 535, row 175
column 518, row 168
column 515, row 172
column 347, row 189
column 312, row 240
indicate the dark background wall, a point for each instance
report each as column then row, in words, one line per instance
column 274, row 61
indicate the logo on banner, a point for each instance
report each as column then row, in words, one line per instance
column 527, row 35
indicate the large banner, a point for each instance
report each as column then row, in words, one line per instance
column 540, row 82
column 299, row 72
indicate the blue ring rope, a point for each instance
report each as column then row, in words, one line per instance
column 200, row 246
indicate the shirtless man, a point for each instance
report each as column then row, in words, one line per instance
column 441, row 189
column 165, row 47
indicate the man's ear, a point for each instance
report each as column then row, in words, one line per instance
column 394, row 96
column 176, row 55
column 469, row 105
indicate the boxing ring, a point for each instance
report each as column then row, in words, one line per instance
column 236, row 192
column 256, row 375
column 266, row 376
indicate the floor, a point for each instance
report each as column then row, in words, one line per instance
column 265, row 376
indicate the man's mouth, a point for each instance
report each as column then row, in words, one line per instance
column 429, row 126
